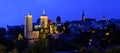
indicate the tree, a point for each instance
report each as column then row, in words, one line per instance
column 59, row 29
column 2, row 49
column 2, row 35
column 14, row 51
column 84, row 38
column 15, row 30
column 38, row 47
column 21, row 45
column 20, row 37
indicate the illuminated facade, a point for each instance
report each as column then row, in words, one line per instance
column 44, row 20
column 35, row 34
column 28, row 25
column 53, row 29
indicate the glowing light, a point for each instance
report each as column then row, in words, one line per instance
column 90, row 40
column 93, row 31
column 107, row 34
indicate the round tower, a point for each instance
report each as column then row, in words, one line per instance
column 44, row 20
column 28, row 25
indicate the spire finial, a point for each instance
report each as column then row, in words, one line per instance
column 83, row 13
column 103, row 17
column 29, row 13
column 43, row 11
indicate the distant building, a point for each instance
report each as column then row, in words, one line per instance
column 58, row 20
column 90, row 20
column 84, row 19
column 85, row 27
column 75, row 23
column 102, row 24
column 44, row 20
column 87, row 23
column 74, row 29
column 116, row 22
column 50, row 22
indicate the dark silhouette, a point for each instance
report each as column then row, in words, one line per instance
column 58, row 19
column 2, row 35
column 66, row 28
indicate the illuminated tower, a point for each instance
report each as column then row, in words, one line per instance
column 44, row 20
column 83, row 16
column 28, row 25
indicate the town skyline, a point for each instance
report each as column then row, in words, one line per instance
column 54, row 20
column 60, row 26
column 67, row 10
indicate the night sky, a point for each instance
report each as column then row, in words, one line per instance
column 12, row 12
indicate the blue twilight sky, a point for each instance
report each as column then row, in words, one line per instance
column 12, row 12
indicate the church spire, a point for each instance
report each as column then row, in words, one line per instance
column 83, row 13
column 83, row 16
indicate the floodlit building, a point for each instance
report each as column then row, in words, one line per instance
column 44, row 20
column 28, row 30
column 28, row 25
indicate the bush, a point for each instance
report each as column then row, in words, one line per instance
column 2, row 49
column 14, row 51
column 38, row 47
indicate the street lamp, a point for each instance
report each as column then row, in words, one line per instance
column 93, row 31
column 107, row 34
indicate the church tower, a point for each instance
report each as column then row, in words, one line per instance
column 83, row 16
column 44, row 20
column 103, row 18
column 28, row 25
